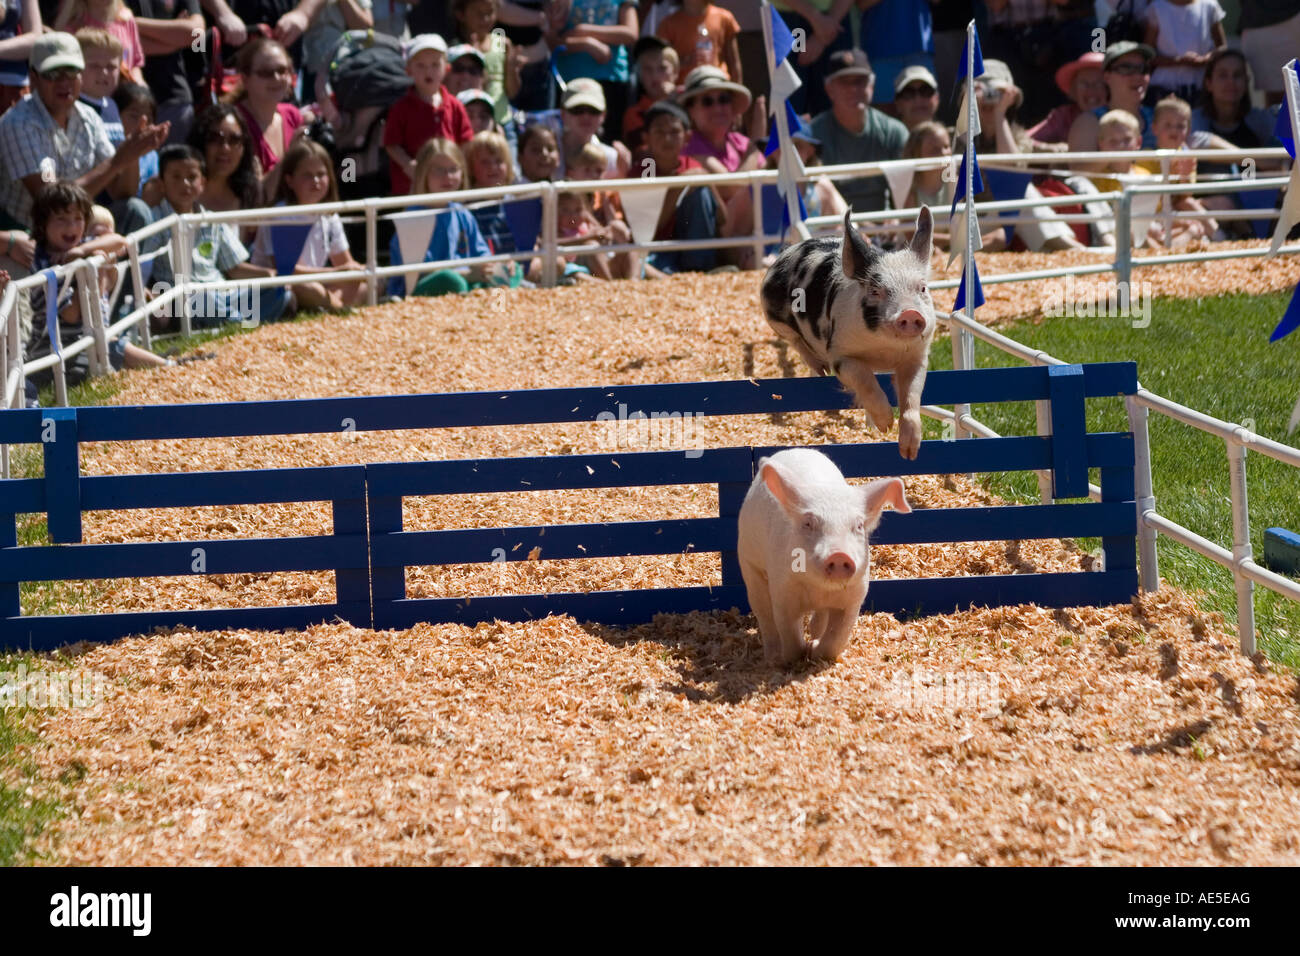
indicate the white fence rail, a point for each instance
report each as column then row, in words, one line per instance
column 963, row 327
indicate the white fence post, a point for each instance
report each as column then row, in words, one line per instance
column 1043, row 415
column 180, row 272
column 1241, row 550
column 1124, row 238
column 756, row 197
column 550, row 230
column 372, row 253
column 1148, row 560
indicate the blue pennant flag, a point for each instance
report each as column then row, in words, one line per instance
column 773, row 140
column 524, row 217
column 286, row 246
column 959, row 193
column 960, row 302
column 1005, row 186
column 782, row 38
column 52, row 310
column 1290, row 319
column 1282, row 129
column 979, row 59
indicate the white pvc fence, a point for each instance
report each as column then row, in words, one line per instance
column 963, row 327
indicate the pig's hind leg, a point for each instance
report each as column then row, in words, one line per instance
column 858, row 378
column 789, row 334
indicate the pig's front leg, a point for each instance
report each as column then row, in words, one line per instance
column 760, row 602
column 909, row 380
column 861, row 381
column 839, row 628
column 788, row 645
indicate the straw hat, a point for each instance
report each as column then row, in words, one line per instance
column 706, row 79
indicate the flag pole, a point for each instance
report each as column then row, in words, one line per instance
column 782, row 127
column 963, row 343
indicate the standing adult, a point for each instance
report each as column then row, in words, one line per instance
column 167, row 29
column 895, row 34
column 825, row 31
column 596, row 38
column 948, row 19
column 1270, row 37
column 287, row 20
column 853, row 131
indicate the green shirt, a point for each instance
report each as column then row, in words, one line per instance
column 882, row 138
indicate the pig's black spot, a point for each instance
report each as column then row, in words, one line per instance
column 819, row 282
column 870, row 315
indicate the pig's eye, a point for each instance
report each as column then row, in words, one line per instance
column 809, row 521
column 874, row 295
column 860, row 526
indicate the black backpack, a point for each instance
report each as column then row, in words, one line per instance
column 368, row 71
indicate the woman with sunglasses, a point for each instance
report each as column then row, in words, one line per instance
column 266, row 79
column 233, row 180
column 715, row 106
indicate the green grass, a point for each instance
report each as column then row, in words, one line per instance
column 1212, row 355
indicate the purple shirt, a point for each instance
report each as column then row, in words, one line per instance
column 733, row 150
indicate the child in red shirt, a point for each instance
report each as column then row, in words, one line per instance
column 426, row 112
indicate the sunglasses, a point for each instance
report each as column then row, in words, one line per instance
column 721, row 99
column 63, row 73
column 1130, row 69
column 273, row 74
column 464, row 65
column 226, row 139
column 584, row 111
column 912, row 92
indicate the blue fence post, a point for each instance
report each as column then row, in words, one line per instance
column 9, row 603
column 62, row 474
column 387, row 584
column 1117, row 484
column 1069, row 431
column 352, row 585
column 730, row 496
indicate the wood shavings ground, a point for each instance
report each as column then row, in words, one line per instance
column 1124, row 735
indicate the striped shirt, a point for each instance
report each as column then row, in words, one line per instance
column 29, row 136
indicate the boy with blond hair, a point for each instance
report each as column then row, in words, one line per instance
column 427, row 111
column 657, row 69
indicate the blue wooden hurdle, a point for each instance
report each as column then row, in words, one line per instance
column 369, row 549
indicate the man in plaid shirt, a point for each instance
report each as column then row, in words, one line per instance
column 51, row 136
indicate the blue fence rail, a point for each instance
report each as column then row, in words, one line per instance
column 369, row 549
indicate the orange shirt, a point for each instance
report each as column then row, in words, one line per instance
column 683, row 33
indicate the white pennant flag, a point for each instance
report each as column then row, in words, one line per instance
column 414, row 230
column 957, row 236
column 784, row 82
column 900, row 183
column 1290, row 213
column 962, row 114
column 641, row 208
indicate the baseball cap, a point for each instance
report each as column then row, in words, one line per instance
column 464, row 49
column 848, row 63
column 583, row 92
column 1116, row 50
column 911, row 74
column 467, row 97
column 53, row 51
column 425, row 41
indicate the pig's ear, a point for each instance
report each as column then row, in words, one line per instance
column 855, row 252
column 877, row 494
column 779, row 485
column 921, row 241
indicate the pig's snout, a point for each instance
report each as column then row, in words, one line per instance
column 839, row 567
column 911, row 323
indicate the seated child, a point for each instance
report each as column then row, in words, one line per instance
column 929, row 188
column 440, row 168
column 656, row 78
column 216, row 254
column 307, row 178
column 1171, row 123
column 587, row 164
column 61, row 214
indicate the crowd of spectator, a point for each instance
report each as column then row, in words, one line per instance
column 119, row 112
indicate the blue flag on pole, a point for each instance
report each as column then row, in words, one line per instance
column 959, row 193
column 1282, row 128
column 782, row 38
column 978, row 299
column 1290, row 319
column 979, row 60
column 773, row 140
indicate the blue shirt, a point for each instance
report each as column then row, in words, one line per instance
column 455, row 236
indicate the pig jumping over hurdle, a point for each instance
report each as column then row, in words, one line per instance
column 802, row 547
column 851, row 309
